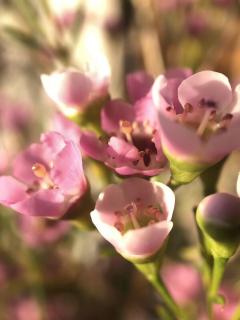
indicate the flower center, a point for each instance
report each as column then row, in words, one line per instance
column 204, row 117
column 134, row 216
column 40, row 171
column 140, row 134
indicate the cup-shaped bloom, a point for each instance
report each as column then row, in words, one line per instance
column 199, row 128
column 218, row 217
column 74, row 91
column 135, row 217
column 133, row 143
column 47, row 178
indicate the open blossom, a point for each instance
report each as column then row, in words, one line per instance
column 135, row 216
column 47, row 178
column 201, row 128
column 73, row 91
column 133, row 144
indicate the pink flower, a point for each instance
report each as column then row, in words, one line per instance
column 202, row 126
column 23, row 308
column 37, row 232
column 183, row 282
column 135, row 216
column 73, row 91
column 47, row 178
column 133, row 145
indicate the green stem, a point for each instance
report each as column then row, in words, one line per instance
column 151, row 272
column 217, row 275
column 173, row 184
column 236, row 315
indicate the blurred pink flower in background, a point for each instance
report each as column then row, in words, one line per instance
column 37, row 232
column 73, row 91
column 25, row 308
column 183, row 282
column 197, row 23
column 204, row 126
column 47, row 178
column 134, row 144
column 135, row 216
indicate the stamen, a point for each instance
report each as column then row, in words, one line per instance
column 131, row 210
column 225, row 121
column 119, row 226
column 188, row 108
column 204, row 122
column 127, row 129
column 39, row 170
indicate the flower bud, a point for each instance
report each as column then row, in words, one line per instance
column 218, row 217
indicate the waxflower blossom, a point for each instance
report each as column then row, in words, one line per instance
column 73, row 91
column 135, row 217
column 47, row 178
column 133, row 143
column 199, row 119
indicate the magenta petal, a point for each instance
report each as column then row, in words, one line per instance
column 92, row 146
column 11, row 190
column 113, row 112
column 146, row 241
column 208, row 85
column 67, row 172
column 46, row 203
column 138, row 85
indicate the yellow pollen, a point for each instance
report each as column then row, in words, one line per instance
column 39, row 170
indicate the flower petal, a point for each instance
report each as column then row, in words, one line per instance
column 207, row 85
column 92, row 146
column 46, row 203
column 113, row 112
column 11, row 190
column 138, row 85
column 145, row 241
column 70, row 88
column 67, row 172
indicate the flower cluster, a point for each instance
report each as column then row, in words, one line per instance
column 179, row 122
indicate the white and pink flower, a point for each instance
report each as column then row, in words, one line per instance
column 199, row 118
column 135, row 216
column 73, row 91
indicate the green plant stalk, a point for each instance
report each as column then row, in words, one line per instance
column 217, row 275
column 152, row 274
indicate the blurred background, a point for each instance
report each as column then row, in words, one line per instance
column 51, row 270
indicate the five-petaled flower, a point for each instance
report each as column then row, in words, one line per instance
column 133, row 144
column 135, row 217
column 199, row 120
column 47, row 178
